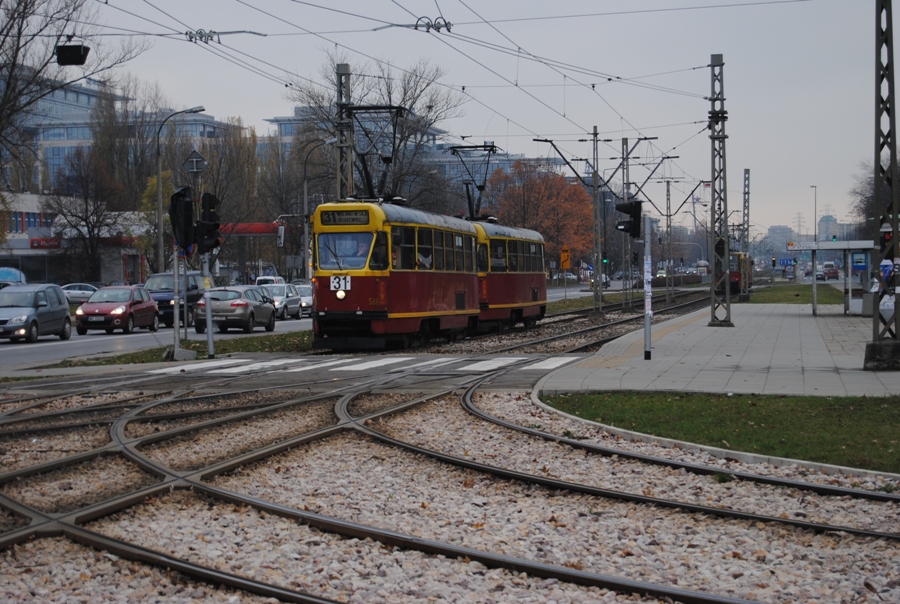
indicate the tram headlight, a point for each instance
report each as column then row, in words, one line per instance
column 341, row 294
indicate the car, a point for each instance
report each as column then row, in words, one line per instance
column 160, row 286
column 568, row 277
column 76, row 293
column 287, row 300
column 306, row 299
column 820, row 275
column 831, row 273
column 243, row 306
column 617, row 275
column 269, row 280
column 604, row 279
column 28, row 311
column 122, row 307
column 661, row 274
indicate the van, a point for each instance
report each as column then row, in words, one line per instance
column 269, row 280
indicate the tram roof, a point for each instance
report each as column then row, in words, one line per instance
column 492, row 229
column 394, row 213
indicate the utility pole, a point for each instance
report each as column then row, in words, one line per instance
column 344, row 126
column 719, row 290
column 598, row 234
column 746, row 266
column 667, row 247
column 628, row 294
column 883, row 352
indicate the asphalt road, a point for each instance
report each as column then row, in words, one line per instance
column 50, row 349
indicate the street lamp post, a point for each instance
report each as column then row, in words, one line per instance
column 306, row 206
column 159, row 209
column 815, row 211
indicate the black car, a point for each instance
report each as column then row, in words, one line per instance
column 161, row 288
column 34, row 310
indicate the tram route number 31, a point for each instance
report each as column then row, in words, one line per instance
column 340, row 283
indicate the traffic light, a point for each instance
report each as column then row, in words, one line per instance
column 834, row 237
column 605, row 260
column 795, row 261
column 634, row 258
column 72, row 54
column 207, row 232
column 774, row 262
column 632, row 225
column 181, row 215
column 887, row 235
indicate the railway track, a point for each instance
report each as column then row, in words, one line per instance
column 369, row 493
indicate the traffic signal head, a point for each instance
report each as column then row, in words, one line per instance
column 605, row 260
column 632, row 225
column 834, row 237
column 774, row 262
column 795, row 261
column 887, row 236
column 181, row 215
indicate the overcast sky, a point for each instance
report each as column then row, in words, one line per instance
column 798, row 78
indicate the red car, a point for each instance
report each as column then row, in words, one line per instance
column 112, row 308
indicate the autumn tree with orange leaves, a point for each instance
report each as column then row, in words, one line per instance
column 533, row 197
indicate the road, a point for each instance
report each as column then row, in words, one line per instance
column 50, row 349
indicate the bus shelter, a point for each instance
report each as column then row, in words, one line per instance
column 857, row 256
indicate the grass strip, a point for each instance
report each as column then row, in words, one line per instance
column 845, row 431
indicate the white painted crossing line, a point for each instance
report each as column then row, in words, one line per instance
column 491, row 364
column 198, row 366
column 373, row 364
column 550, row 363
column 318, row 365
column 432, row 363
column 256, row 366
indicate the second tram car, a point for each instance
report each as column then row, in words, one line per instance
column 386, row 274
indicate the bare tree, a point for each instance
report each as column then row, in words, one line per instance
column 81, row 206
column 391, row 144
column 30, row 30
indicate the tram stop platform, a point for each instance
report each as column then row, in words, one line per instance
column 772, row 349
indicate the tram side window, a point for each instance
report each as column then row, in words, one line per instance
column 529, row 257
column 424, row 254
column 520, row 252
column 470, row 250
column 403, row 248
column 448, row 251
column 513, row 256
column 379, row 261
column 458, row 251
column 481, row 258
column 498, row 256
column 438, row 250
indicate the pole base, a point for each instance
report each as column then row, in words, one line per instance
column 646, row 355
column 882, row 356
column 179, row 355
column 720, row 324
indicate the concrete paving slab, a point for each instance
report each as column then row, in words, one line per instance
column 772, row 349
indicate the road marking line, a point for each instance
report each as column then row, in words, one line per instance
column 373, row 364
column 549, row 363
column 491, row 364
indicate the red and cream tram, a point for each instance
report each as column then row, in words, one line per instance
column 386, row 274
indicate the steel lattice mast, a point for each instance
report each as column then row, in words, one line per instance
column 883, row 351
column 720, row 295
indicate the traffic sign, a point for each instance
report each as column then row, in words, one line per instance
column 565, row 260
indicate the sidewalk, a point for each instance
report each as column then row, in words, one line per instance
column 772, row 349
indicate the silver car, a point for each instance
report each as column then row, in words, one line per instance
column 287, row 300
column 305, row 291
column 77, row 293
column 243, row 306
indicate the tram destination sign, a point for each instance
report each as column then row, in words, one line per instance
column 342, row 217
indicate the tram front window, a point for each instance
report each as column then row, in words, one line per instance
column 341, row 251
